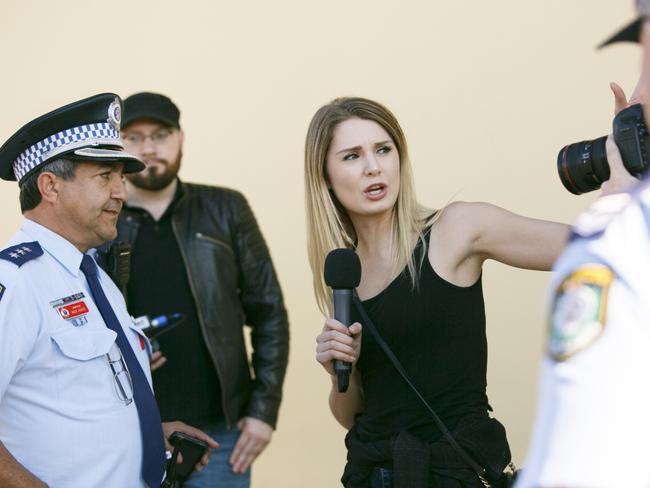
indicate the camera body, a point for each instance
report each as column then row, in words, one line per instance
column 583, row 166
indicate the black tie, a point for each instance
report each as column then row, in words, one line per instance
column 153, row 446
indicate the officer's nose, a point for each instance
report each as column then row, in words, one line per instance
column 118, row 187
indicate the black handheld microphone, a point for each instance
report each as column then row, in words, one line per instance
column 342, row 274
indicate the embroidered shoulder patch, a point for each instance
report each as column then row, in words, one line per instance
column 579, row 311
column 2, row 290
column 21, row 253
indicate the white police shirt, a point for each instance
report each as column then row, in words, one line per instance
column 593, row 420
column 61, row 415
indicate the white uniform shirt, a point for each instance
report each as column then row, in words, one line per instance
column 593, row 421
column 60, row 414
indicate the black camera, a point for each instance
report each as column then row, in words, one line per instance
column 583, row 166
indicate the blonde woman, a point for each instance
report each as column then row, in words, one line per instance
column 421, row 286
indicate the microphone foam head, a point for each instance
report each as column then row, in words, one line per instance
column 342, row 269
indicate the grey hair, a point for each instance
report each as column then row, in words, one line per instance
column 30, row 195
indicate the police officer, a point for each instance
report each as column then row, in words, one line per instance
column 76, row 405
column 593, row 425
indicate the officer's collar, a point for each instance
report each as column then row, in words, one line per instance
column 57, row 246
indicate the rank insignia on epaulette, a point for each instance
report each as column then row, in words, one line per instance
column 579, row 311
column 2, row 290
column 21, row 253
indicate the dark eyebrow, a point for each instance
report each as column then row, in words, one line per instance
column 356, row 148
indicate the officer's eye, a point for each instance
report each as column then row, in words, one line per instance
column 350, row 156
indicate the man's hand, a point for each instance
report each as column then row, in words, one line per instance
column 157, row 360
column 255, row 436
column 170, row 427
column 619, row 178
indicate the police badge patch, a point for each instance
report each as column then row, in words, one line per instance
column 579, row 311
column 115, row 114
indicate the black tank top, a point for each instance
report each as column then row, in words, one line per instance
column 437, row 331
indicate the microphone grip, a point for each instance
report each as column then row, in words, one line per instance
column 342, row 299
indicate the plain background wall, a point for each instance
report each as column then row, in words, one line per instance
column 487, row 93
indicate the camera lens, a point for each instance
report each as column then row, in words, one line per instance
column 583, row 166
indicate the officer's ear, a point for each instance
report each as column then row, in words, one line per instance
column 48, row 185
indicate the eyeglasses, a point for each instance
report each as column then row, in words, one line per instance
column 157, row 138
column 123, row 383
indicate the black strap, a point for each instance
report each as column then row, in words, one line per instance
column 480, row 472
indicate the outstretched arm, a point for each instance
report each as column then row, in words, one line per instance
column 519, row 241
column 469, row 233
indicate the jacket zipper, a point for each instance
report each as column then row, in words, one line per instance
column 201, row 321
column 218, row 242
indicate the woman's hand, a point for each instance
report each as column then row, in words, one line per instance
column 620, row 179
column 337, row 341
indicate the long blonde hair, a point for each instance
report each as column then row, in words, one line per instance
column 328, row 225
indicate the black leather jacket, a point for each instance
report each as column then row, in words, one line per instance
column 233, row 283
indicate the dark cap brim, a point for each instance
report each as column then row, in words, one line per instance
column 629, row 33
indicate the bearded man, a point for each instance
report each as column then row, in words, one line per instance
column 197, row 250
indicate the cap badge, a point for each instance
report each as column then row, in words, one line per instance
column 115, row 113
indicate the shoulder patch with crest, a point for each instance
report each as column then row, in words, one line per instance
column 579, row 310
column 21, row 253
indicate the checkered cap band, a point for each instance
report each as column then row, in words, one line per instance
column 67, row 140
column 643, row 7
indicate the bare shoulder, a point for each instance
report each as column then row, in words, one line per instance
column 452, row 242
column 464, row 219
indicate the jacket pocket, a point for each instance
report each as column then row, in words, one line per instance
column 213, row 240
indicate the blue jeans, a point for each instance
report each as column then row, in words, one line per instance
column 381, row 478
column 218, row 473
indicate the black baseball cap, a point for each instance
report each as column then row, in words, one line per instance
column 154, row 106
column 632, row 31
column 85, row 130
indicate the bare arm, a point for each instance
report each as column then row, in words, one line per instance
column 467, row 234
column 515, row 240
column 13, row 474
column 338, row 342
column 345, row 406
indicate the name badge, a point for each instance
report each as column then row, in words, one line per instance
column 72, row 309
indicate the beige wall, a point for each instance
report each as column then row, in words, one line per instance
column 487, row 92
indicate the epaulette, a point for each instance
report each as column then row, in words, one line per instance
column 21, row 253
column 597, row 217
